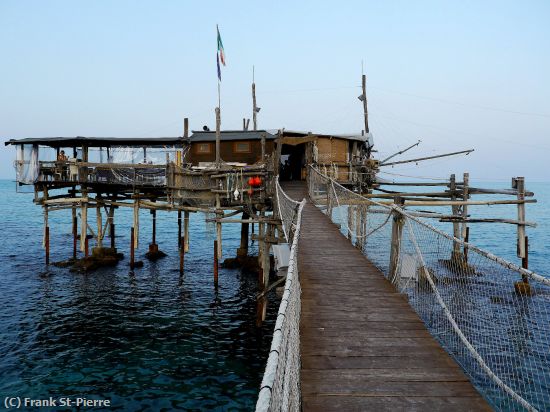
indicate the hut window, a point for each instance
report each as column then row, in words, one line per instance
column 241, row 147
column 204, row 148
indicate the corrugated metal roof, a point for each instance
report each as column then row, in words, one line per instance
column 210, row 136
column 98, row 141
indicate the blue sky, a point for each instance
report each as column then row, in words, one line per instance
column 456, row 74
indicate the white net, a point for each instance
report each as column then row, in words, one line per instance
column 280, row 388
column 492, row 316
column 27, row 166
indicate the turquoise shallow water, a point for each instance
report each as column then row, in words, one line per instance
column 148, row 341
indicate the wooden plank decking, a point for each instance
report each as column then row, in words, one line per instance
column 362, row 345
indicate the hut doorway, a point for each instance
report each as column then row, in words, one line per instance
column 293, row 161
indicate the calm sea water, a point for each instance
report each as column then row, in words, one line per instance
column 153, row 340
column 148, row 341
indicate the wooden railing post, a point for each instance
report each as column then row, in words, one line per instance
column 456, row 225
column 396, row 235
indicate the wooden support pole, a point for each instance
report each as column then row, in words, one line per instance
column 262, row 141
column 186, row 230
column 132, row 251
column 350, row 222
column 261, row 309
column 465, row 195
column 219, row 227
column 75, row 231
column 243, row 249
column 466, row 239
column 360, row 241
column 218, row 136
column 47, row 241
column 525, row 260
column 135, row 224
column 266, row 264
column 455, row 212
column 254, row 108
column 520, row 187
column 112, row 226
column 86, row 246
column 83, row 223
column 182, row 254
column 154, row 237
column 261, row 234
column 364, row 99
column 99, row 226
column 216, row 264
column 179, row 229
column 396, row 236
column 186, row 127
column 329, row 200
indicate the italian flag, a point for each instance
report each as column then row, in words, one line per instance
column 220, row 47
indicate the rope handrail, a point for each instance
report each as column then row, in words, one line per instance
column 279, row 389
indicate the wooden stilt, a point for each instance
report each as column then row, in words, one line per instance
column 75, row 231
column 466, row 239
column 266, row 264
column 520, row 187
column 396, row 235
column 243, row 249
column 182, row 254
column 525, row 260
column 47, row 241
column 86, row 246
column 179, row 229
column 132, row 253
column 465, row 233
column 154, row 214
column 83, row 223
column 359, row 215
column 99, row 226
column 456, row 225
column 112, row 226
column 186, row 230
column 216, row 263
column 261, row 244
column 219, row 227
column 261, row 309
column 351, row 222
column 136, row 222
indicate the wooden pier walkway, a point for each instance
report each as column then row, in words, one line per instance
column 362, row 345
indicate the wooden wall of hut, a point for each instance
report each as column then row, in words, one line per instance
column 230, row 151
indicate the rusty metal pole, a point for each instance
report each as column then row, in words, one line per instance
column 132, row 255
column 216, row 263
